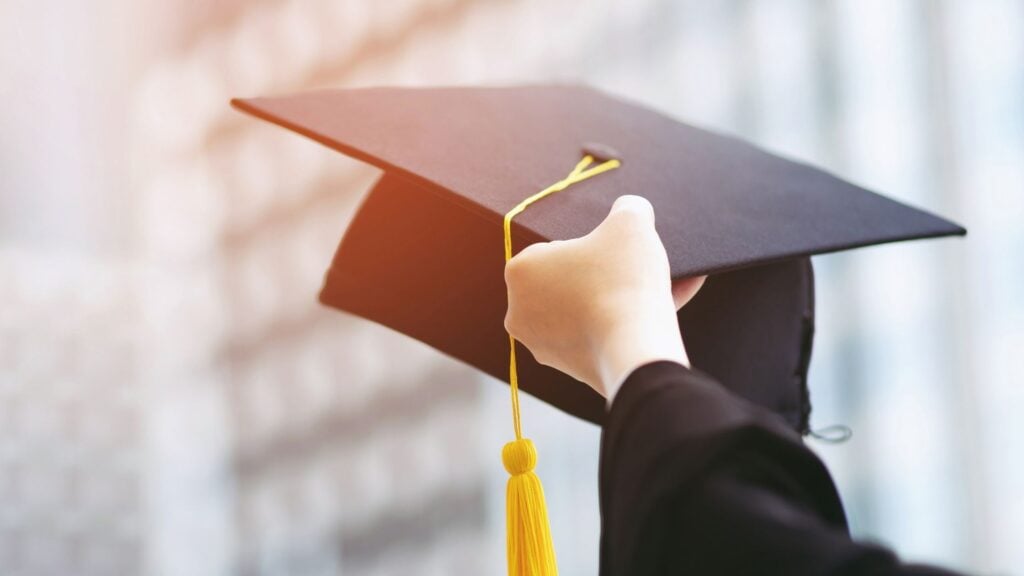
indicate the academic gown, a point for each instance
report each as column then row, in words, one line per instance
column 695, row 480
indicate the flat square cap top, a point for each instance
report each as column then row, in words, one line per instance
column 423, row 254
column 721, row 203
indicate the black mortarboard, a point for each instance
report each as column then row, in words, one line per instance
column 423, row 255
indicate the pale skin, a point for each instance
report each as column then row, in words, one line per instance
column 599, row 306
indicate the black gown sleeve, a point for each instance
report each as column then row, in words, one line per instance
column 695, row 480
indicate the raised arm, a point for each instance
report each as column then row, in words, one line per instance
column 694, row 480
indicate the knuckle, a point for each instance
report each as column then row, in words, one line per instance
column 540, row 357
column 513, row 270
column 514, row 324
column 527, row 259
column 635, row 207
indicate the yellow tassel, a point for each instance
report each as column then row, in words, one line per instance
column 530, row 551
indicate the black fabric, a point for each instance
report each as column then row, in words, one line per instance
column 424, row 253
column 695, row 480
column 752, row 330
column 722, row 203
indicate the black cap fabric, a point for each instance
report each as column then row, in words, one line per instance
column 752, row 330
column 424, row 253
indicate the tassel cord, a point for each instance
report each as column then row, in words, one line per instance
column 529, row 547
column 578, row 174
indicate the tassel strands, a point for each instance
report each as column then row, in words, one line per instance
column 530, row 550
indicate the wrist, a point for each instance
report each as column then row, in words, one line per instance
column 628, row 346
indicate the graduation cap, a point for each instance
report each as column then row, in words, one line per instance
column 423, row 254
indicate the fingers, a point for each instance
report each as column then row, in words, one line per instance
column 630, row 223
column 629, row 215
column 633, row 205
column 684, row 289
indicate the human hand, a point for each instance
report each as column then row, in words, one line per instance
column 598, row 306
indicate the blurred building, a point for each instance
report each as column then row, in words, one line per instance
column 174, row 401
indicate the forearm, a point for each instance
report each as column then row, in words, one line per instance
column 749, row 512
column 694, row 477
column 666, row 424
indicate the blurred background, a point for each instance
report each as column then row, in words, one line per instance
column 173, row 400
